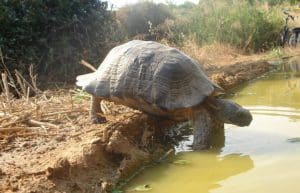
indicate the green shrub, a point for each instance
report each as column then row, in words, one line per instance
column 139, row 18
column 53, row 34
column 236, row 23
column 173, row 31
column 275, row 2
column 244, row 24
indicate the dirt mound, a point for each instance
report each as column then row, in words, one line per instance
column 48, row 144
column 230, row 76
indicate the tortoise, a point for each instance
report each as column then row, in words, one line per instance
column 161, row 81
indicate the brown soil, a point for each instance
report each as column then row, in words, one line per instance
column 48, row 144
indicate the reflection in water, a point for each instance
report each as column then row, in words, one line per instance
column 203, row 173
column 272, row 91
column 292, row 65
column 276, row 94
column 293, row 114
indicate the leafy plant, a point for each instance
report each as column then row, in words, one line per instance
column 237, row 23
column 80, row 94
column 54, row 34
column 136, row 18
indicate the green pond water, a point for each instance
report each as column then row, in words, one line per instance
column 261, row 158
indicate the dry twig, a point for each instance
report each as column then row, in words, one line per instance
column 36, row 90
column 33, row 78
column 32, row 122
column 17, row 119
column 88, row 65
column 22, row 85
column 5, row 85
column 16, row 129
column 63, row 112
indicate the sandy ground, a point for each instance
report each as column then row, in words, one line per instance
column 48, row 144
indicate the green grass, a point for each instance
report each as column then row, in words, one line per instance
column 248, row 27
column 79, row 95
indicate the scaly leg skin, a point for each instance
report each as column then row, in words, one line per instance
column 96, row 111
column 217, row 138
column 202, row 124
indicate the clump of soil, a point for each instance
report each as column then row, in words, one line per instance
column 230, row 76
column 48, row 144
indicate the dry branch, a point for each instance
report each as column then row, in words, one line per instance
column 32, row 122
column 33, row 78
column 16, row 129
column 1, row 56
column 44, row 112
column 36, row 90
column 22, row 85
column 63, row 112
column 88, row 65
column 5, row 85
column 17, row 119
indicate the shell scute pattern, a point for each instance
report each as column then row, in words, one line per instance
column 153, row 73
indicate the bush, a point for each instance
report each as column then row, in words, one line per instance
column 244, row 24
column 53, row 34
column 139, row 18
column 172, row 31
column 238, row 24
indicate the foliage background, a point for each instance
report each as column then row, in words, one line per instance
column 54, row 35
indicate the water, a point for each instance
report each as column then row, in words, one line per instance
column 261, row 158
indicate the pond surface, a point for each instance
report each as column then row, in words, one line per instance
column 261, row 158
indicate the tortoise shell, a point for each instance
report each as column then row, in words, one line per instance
column 149, row 72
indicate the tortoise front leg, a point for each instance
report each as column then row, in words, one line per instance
column 201, row 124
column 96, row 111
column 208, row 131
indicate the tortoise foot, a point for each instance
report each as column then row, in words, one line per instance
column 200, row 147
column 99, row 120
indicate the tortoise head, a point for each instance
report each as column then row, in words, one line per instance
column 231, row 112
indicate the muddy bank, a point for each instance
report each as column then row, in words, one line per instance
column 229, row 76
column 69, row 154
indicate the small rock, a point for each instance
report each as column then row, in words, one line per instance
column 25, row 144
column 106, row 187
column 60, row 170
column 15, row 188
column 96, row 140
column 61, row 138
column 1, row 172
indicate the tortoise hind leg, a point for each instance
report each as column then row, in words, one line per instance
column 96, row 111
